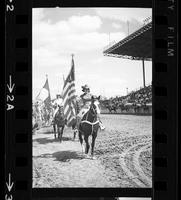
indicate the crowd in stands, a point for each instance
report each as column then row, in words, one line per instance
column 142, row 96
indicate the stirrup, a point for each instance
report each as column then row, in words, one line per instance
column 102, row 127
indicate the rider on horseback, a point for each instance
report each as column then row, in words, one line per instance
column 86, row 99
column 58, row 103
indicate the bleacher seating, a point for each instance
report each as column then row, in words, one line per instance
column 141, row 96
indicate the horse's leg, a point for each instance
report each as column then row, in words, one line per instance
column 61, row 135
column 75, row 131
column 81, row 142
column 58, row 131
column 94, row 135
column 74, row 134
column 54, row 129
column 86, row 138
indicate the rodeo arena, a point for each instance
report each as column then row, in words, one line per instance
column 110, row 144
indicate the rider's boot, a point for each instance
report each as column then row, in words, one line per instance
column 101, row 126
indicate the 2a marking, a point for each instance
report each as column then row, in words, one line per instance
column 10, row 96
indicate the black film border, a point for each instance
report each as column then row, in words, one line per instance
column 18, row 83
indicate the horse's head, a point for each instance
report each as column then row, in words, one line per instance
column 60, row 110
column 94, row 107
column 60, row 117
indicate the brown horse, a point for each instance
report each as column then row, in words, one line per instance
column 59, row 122
column 74, row 127
column 89, row 126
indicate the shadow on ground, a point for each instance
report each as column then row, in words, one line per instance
column 62, row 156
column 51, row 140
column 66, row 155
column 48, row 132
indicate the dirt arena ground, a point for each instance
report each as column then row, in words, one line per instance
column 123, row 156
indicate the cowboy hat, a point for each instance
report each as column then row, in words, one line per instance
column 59, row 95
column 85, row 87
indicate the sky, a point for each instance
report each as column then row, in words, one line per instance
column 85, row 32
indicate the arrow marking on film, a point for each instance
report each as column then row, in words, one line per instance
column 9, row 184
column 10, row 86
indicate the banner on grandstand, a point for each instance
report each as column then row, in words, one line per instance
column 69, row 97
column 44, row 94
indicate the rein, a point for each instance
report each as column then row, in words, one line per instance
column 91, row 123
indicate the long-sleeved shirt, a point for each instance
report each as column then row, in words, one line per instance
column 86, row 100
column 58, row 102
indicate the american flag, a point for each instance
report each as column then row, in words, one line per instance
column 69, row 97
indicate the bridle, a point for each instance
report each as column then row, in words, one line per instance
column 60, row 108
column 60, row 111
column 94, row 113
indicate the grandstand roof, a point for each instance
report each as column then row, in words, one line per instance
column 136, row 46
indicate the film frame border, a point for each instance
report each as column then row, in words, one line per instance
column 18, row 132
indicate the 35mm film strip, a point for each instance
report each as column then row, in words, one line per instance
column 23, row 157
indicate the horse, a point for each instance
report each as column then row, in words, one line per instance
column 46, row 116
column 136, row 107
column 145, row 108
column 74, row 127
column 112, row 108
column 59, row 121
column 89, row 126
column 124, row 107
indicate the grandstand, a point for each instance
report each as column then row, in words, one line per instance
column 136, row 102
column 136, row 46
column 142, row 96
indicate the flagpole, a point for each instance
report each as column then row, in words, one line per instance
column 74, row 65
column 63, row 79
column 63, row 84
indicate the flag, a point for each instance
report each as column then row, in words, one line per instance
column 44, row 94
column 69, row 97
